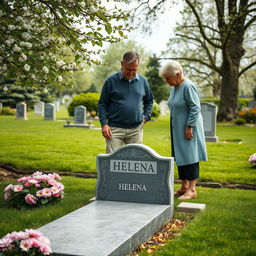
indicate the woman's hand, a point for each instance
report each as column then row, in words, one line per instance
column 189, row 133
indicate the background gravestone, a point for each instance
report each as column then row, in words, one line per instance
column 163, row 107
column 135, row 173
column 252, row 104
column 57, row 105
column 209, row 113
column 80, row 115
column 21, row 111
column 1, row 105
column 49, row 112
column 39, row 108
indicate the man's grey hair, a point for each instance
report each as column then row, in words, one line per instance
column 171, row 68
column 131, row 56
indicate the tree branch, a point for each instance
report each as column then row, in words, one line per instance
column 246, row 68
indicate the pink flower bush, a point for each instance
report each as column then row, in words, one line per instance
column 28, row 242
column 34, row 190
column 252, row 160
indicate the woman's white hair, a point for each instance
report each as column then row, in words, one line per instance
column 171, row 68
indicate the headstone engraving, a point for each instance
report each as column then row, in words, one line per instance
column 39, row 108
column 49, row 112
column 163, row 107
column 209, row 113
column 135, row 173
column 80, row 115
column 21, row 111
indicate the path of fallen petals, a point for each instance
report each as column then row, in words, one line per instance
column 168, row 232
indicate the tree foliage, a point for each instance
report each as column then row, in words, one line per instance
column 220, row 32
column 36, row 37
column 159, row 88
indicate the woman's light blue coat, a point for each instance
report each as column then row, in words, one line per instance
column 184, row 104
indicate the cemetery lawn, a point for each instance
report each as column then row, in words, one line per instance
column 226, row 227
column 36, row 144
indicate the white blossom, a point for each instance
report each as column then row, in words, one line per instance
column 26, row 35
column 16, row 48
column 1, row 13
column 45, row 69
column 19, row 19
column 59, row 78
column 26, row 67
column 23, row 57
column 11, row 27
column 9, row 42
column 60, row 63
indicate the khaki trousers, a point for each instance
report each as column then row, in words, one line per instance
column 121, row 136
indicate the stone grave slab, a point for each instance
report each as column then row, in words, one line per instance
column 106, row 228
column 21, row 111
column 190, row 207
column 116, row 225
column 209, row 113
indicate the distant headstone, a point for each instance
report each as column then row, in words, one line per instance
column 80, row 115
column 252, row 104
column 79, row 118
column 21, row 111
column 49, row 112
column 39, row 108
column 57, row 105
column 1, row 105
column 135, row 173
column 163, row 107
column 209, row 113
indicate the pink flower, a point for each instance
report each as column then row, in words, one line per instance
column 37, row 174
column 39, row 193
column 33, row 233
column 7, row 188
column 7, row 195
column 30, row 199
column 23, row 179
column 55, row 191
column 5, row 242
column 17, row 188
column 46, row 192
column 52, row 182
column 25, row 245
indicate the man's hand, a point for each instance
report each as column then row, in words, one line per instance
column 106, row 132
column 189, row 133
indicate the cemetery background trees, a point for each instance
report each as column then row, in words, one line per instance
column 159, row 88
column 223, row 39
column 33, row 34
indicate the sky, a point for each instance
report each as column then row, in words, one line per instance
column 161, row 30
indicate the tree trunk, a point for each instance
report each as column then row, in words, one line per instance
column 229, row 92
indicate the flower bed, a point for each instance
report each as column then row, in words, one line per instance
column 34, row 190
column 28, row 242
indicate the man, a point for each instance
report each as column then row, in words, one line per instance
column 125, row 104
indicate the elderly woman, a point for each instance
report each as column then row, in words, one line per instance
column 187, row 132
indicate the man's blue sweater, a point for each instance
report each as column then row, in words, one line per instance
column 125, row 103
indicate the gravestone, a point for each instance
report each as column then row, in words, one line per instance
column 252, row 104
column 143, row 182
column 49, row 112
column 57, row 105
column 79, row 118
column 21, row 111
column 163, row 107
column 209, row 113
column 1, row 105
column 39, row 108
column 134, row 174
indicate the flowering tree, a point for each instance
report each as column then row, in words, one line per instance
column 37, row 37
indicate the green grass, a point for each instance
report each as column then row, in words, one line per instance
column 227, row 226
column 77, row 194
column 47, row 145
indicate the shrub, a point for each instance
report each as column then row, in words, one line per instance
column 7, row 111
column 240, row 121
column 155, row 111
column 88, row 100
column 249, row 115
